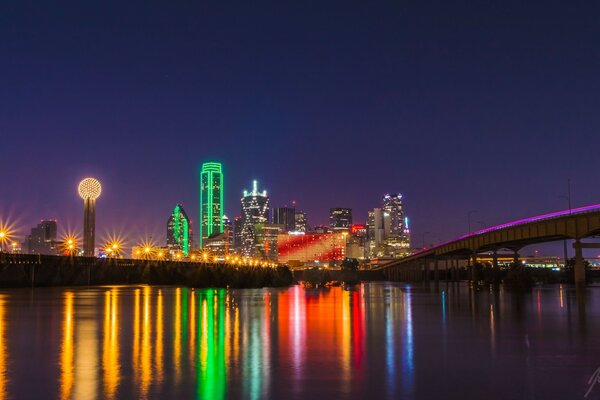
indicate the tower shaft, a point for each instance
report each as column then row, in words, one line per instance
column 89, row 226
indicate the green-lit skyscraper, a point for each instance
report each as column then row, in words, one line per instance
column 211, row 200
column 179, row 231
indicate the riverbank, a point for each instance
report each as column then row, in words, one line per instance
column 43, row 271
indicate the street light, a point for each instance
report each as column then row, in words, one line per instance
column 3, row 238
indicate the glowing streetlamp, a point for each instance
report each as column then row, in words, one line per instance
column 69, row 245
column 3, row 238
column 113, row 248
column 89, row 190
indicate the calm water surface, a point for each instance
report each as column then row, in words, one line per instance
column 380, row 340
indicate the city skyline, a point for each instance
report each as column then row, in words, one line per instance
column 73, row 230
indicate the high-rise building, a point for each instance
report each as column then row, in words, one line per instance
column 42, row 239
column 340, row 219
column 221, row 244
column 238, row 225
column 255, row 210
column 229, row 235
column 392, row 205
column 89, row 190
column 179, row 231
column 266, row 241
column 387, row 229
column 301, row 222
column 211, row 200
column 285, row 216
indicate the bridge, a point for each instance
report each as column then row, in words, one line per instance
column 574, row 224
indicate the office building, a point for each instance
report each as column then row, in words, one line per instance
column 301, row 221
column 179, row 232
column 255, row 211
column 211, row 200
column 340, row 219
column 285, row 216
column 42, row 239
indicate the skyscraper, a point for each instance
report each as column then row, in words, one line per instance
column 340, row 219
column 301, row 222
column 221, row 244
column 285, row 216
column 42, row 239
column 238, row 225
column 229, row 235
column 387, row 229
column 89, row 190
column 392, row 205
column 211, row 200
column 255, row 210
column 179, row 231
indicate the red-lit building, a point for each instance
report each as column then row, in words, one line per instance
column 311, row 247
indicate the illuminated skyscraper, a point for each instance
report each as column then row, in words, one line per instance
column 255, row 210
column 89, row 190
column 179, row 231
column 387, row 229
column 340, row 219
column 211, row 200
column 392, row 205
column 301, row 222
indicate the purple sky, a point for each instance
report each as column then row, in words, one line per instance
column 487, row 106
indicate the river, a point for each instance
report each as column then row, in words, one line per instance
column 371, row 341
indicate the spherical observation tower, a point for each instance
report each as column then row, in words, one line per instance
column 89, row 190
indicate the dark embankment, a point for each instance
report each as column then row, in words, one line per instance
column 322, row 276
column 19, row 270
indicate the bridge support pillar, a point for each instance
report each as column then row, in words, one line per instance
column 454, row 270
column 426, row 270
column 447, row 270
column 474, row 268
column 495, row 266
column 436, row 271
column 579, row 265
column 516, row 258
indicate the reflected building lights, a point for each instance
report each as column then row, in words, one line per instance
column 86, row 353
column 3, row 350
column 158, row 365
column 110, row 344
column 346, row 341
column 66, row 351
column 390, row 345
column 136, row 336
column 408, row 361
column 177, row 337
column 561, row 296
column 192, row 326
column 146, row 346
column 298, row 332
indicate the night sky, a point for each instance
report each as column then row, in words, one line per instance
column 489, row 106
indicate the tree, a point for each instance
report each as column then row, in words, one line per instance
column 350, row 264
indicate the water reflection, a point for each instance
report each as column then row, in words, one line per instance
column 66, row 354
column 372, row 340
column 3, row 350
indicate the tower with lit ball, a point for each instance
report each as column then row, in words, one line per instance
column 89, row 190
